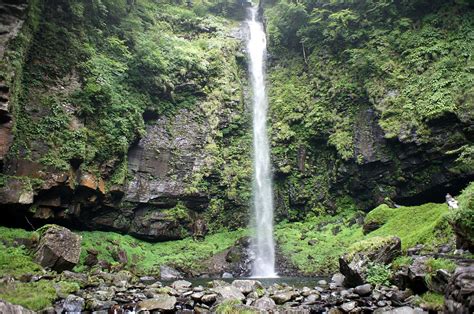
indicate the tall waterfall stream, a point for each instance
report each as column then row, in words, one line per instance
column 263, row 244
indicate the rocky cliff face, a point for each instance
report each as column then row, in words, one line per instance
column 366, row 111
column 99, row 138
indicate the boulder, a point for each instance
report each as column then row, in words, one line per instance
column 363, row 290
column 265, row 304
column 459, row 296
column 162, row 302
column 400, row 310
column 228, row 293
column 354, row 265
column 169, row 273
column 181, row 284
column 9, row 308
column 73, row 304
column 283, row 296
column 348, row 306
column 58, row 249
column 247, row 286
column 209, row 298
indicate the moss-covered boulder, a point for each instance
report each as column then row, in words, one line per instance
column 462, row 219
column 58, row 249
column 380, row 250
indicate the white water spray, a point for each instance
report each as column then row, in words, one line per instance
column 264, row 248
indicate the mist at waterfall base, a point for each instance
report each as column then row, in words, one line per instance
column 263, row 245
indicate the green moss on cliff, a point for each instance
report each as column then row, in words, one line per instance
column 463, row 217
column 402, row 65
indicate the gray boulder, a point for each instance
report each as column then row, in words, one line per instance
column 459, row 296
column 228, row 293
column 73, row 304
column 162, row 302
column 9, row 308
column 181, row 284
column 363, row 290
column 58, row 249
column 265, row 304
column 283, row 296
column 169, row 273
column 247, row 286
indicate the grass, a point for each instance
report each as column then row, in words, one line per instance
column 425, row 224
column 322, row 257
column 15, row 261
column 147, row 257
column 433, row 301
column 32, row 295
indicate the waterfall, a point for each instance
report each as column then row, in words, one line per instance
column 263, row 245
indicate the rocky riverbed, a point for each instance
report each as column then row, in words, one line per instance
column 118, row 293
column 121, row 292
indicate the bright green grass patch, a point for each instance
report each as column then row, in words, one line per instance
column 32, row 295
column 401, row 261
column 321, row 257
column 425, row 224
column 435, row 264
column 148, row 257
column 434, row 301
column 15, row 261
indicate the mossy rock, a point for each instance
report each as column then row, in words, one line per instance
column 462, row 219
column 377, row 249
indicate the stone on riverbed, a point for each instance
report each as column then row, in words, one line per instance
column 228, row 293
column 161, row 302
column 265, row 304
column 169, row 273
column 283, row 296
column 6, row 307
column 247, row 286
column 181, row 284
column 363, row 290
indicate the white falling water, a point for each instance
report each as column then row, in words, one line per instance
column 264, row 249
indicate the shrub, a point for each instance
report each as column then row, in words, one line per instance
column 379, row 274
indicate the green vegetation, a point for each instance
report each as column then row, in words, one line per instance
column 233, row 307
column 432, row 300
column 343, row 70
column 16, row 261
column 312, row 245
column 146, row 258
column 379, row 274
column 315, row 245
column 402, row 261
column 425, row 224
column 435, row 264
column 32, row 295
column 463, row 217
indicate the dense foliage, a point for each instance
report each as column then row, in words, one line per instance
column 408, row 63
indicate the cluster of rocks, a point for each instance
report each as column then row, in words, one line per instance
column 120, row 292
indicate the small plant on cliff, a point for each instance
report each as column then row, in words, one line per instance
column 379, row 274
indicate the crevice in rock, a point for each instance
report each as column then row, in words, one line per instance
column 435, row 194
